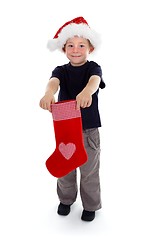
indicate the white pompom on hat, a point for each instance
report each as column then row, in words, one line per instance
column 76, row 27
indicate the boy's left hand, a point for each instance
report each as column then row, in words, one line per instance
column 84, row 99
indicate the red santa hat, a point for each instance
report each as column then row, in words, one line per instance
column 76, row 27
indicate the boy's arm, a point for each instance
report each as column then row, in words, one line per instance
column 84, row 98
column 51, row 89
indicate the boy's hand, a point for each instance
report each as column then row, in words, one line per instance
column 46, row 101
column 84, row 99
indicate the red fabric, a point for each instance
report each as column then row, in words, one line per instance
column 77, row 20
column 70, row 152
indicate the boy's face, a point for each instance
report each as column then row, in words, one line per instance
column 77, row 50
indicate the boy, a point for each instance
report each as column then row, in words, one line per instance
column 80, row 79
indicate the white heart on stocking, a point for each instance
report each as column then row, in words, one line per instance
column 67, row 150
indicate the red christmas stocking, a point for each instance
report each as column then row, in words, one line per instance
column 70, row 152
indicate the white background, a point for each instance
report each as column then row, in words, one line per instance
column 28, row 200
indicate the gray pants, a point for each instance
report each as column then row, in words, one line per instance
column 89, row 176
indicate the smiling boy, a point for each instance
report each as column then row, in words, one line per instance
column 80, row 79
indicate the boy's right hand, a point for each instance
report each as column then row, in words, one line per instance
column 46, row 102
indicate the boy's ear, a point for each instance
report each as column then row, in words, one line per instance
column 91, row 49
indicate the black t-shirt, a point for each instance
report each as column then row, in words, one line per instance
column 72, row 81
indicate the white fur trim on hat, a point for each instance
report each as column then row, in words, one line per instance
column 71, row 30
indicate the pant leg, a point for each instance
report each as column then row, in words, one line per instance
column 67, row 188
column 90, row 180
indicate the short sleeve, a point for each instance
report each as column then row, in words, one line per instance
column 96, row 70
column 57, row 72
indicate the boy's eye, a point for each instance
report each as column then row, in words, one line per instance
column 81, row 46
column 70, row 45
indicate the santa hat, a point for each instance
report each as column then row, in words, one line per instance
column 76, row 27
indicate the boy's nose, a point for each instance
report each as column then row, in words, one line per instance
column 75, row 49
